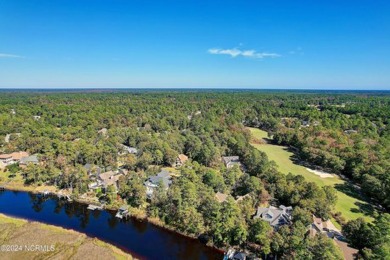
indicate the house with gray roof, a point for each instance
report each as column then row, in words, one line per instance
column 231, row 161
column 124, row 149
column 32, row 159
column 276, row 217
column 164, row 177
column 92, row 170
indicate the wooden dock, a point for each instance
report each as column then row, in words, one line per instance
column 64, row 196
column 95, row 207
column 122, row 212
column 46, row 193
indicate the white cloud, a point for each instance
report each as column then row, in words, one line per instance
column 235, row 52
column 6, row 55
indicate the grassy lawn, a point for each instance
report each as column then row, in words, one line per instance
column 17, row 183
column 350, row 206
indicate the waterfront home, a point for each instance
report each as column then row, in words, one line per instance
column 6, row 159
column 32, row 159
column 17, row 156
column 14, row 157
column 276, row 217
column 231, row 161
column 106, row 179
column 164, row 178
column 180, row 160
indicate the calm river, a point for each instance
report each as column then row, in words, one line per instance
column 140, row 238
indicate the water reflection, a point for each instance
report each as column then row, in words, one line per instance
column 112, row 221
column 140, row 238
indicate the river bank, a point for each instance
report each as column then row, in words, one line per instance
column 142, row 239
column 22, row 239
column 137, row 214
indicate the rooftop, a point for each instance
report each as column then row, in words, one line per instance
column 275, row 216
column 183, row 158
column 221, row 197
column 29, row 159
column 164, row 177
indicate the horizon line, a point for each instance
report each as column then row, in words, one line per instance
column 195, row 88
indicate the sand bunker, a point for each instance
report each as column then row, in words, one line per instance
column 321, row 173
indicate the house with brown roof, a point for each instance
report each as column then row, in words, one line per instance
column 320, row 227
column 14, row 157
column 106, row 179
column 221, row 197
column 6, row 159
column 180, row 160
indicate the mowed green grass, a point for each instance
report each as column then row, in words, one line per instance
column 346, row 204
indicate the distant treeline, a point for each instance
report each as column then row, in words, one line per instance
column 346, row 133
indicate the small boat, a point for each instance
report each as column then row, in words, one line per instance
column 94, row 207
column 229, row 254
column 235, row 255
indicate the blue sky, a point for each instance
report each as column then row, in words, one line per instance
column 242, row 44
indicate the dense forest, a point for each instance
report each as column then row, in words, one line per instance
column 346, row 133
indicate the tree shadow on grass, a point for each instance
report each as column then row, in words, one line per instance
column 298, row 161
column 350, row 190
column 363, row 207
